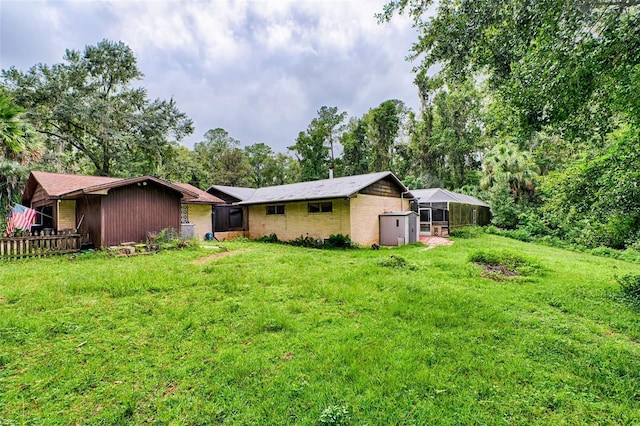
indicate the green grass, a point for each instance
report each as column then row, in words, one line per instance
column 273, row 334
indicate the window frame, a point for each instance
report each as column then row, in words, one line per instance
column 275, row 209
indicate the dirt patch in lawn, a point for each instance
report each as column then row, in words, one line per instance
column 211, row 257
column 432, row 242
column 496, row 272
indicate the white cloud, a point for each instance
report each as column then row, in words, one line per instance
column 259, row 69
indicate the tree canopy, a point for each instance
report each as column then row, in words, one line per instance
column 87, row 110
column 553, row 62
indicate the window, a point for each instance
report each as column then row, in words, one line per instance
column 326, row 207
column 279, row 209
column 235, row 217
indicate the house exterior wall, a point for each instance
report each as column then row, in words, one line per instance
column 66, row 214
column 90, row 208
column 200, row 216
column 297, row 221
column 129, row 212
column 365, row 209
column 40, row 198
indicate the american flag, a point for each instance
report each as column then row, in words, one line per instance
column 20, row 217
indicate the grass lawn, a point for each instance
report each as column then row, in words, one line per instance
column 272, row 334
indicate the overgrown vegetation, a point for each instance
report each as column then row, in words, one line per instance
column 335, row 241
column 499, row 264
column 630, row 286
column 630, row 254
column 167, row 239
column 287, row 335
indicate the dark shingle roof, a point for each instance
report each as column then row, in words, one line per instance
column 202, row 196
column 342, row 187
column 237, row 192
column 62, row 185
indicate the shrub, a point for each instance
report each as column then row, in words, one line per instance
column 466, row 232
column 520, row 234
column 307, row 241
column 339, row 241
column 396, row 262
column 168, row 238
column 493, row 230
column 271, row 238
column 630, row 286
column 532, row 222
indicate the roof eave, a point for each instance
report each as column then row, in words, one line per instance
column 294, row 200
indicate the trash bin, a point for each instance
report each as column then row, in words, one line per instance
column 187, row 230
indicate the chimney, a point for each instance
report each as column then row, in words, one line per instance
column 330, row 172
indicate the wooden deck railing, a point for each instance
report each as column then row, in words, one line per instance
column 45, row 244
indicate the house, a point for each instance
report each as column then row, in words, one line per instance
column 441, row 210
column 111, row 211
column 348, row 205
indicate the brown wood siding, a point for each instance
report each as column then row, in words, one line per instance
column 89, row 210
column 130, row 212
column 383, row 188
column 40, row 198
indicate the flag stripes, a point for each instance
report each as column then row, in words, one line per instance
column 20, row 217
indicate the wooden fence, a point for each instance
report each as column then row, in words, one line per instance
column 45, row 244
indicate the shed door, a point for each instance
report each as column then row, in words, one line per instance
column 425, row 220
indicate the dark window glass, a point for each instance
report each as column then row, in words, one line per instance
column 235, row 218
column 439, row 215
column 326, row 207
column 275, row 209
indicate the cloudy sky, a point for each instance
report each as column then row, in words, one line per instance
column 258, row 69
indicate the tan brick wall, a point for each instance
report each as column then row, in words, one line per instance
column 365, row 226
column 67, row 214
column 297, row 221
column 200, row 216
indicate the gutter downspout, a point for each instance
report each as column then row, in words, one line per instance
column 402, row 199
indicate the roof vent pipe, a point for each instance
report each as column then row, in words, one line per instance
column 331, row 172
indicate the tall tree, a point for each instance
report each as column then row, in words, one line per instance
column 19, row 147
column 315, row 147
column 384, row 125
column 86, row 107
column 287, row 170
column 222, row 158
column 356, row 156
column 262, row 164
column 567, row 63
column 456, row 134
column 180, row 164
